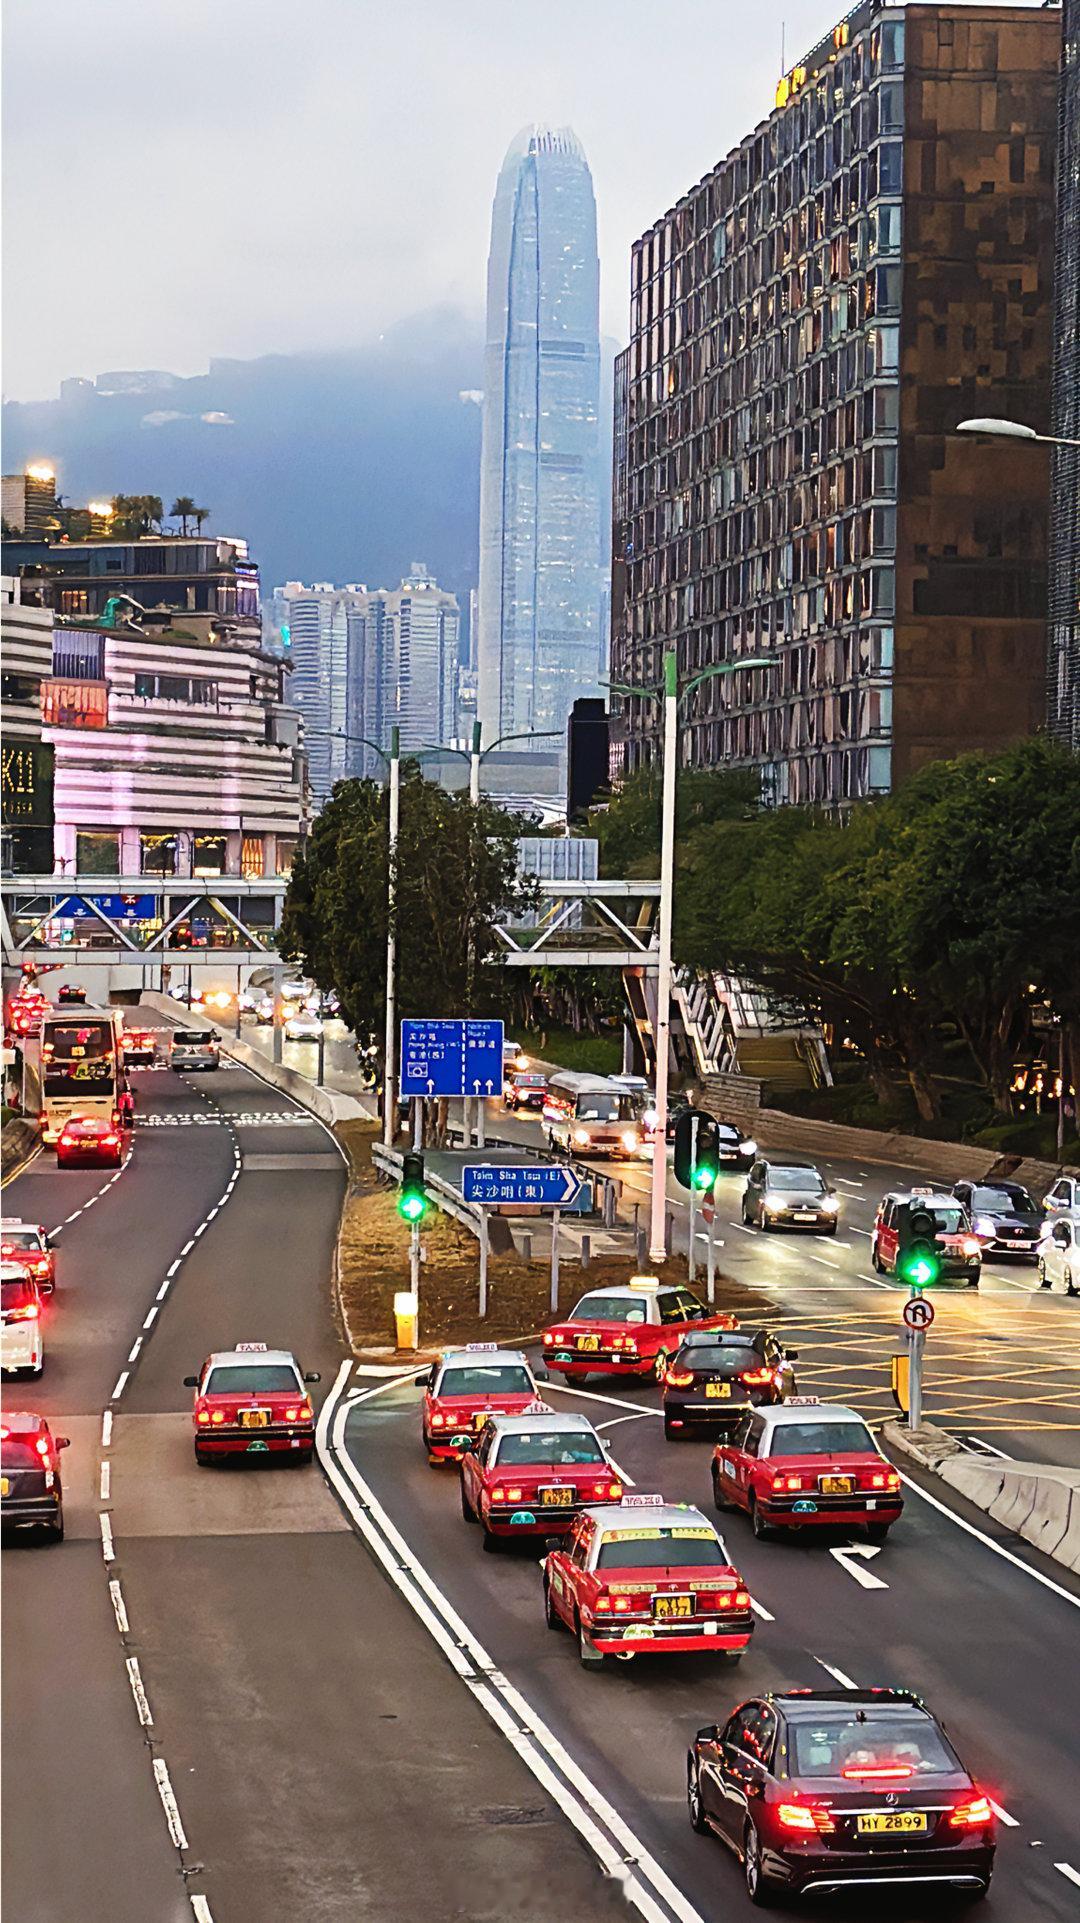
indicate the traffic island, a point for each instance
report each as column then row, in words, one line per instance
column 1039, row 1503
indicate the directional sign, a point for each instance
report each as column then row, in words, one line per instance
column 918, row 1312
column 451, row 1058
column 541, row 1184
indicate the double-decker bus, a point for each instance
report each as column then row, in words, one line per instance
column 81, row 1066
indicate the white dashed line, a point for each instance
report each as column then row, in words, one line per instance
column 107, row 1549
column 164, row 1289
column 1010, row 1822
column 201, row 1910
column 116, row 1597
column 172, row 1268
column 759, row 1609
column 824, row 1261
column 133, row 1352
column 141, row 1705
column 187, row 1248
column 849, row 1182
column 121, row 1385
column 104, row 1482
column 1067, row 1870
column 106, row 1429
column 837, row 1675
column 169, row 1804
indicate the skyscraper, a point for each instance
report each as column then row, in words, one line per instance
column 540, row 485
column 326, row 678
column 1063, row 692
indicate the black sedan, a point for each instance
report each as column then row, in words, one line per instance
column 789, row 1195
column 71, row 992
column 819, row 1791
column 716, row 1374
column 1004, row 1216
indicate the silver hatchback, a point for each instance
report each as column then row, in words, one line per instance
column 791, row 1195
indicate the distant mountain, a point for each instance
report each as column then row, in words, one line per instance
column 334, row 467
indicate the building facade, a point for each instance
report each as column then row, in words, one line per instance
column 1063, row 680
column 870, row 266
column 325, row 682
column 540, row 486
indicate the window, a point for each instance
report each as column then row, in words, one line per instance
column 78, row 657
column 158, row 854
column 251, row 858
column 97, row 854
column 209, row 855
column 74, row 601
column 197, row 690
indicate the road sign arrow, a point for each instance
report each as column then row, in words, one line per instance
column 476, row 1086
column 862, row 1576
column 490, row 1086
column 431, row 1088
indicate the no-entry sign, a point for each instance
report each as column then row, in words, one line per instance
column 918, row 1313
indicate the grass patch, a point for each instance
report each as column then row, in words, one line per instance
column 566, row 1048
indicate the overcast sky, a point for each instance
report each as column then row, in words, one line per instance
column 242, row 177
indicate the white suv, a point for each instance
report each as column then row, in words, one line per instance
column 1059, row 1254
column 22, row 1345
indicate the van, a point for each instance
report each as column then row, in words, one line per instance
column 592, row 1115
column 193, row 1048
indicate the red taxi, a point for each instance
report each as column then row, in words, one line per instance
column 531, row 1474
column 85, row 1142
column 649, row 1576
column 806, row 1463
column 140, row 1047
column 464, row 1388
column 959, row 1249
column 252, row 1401
column 27, row 1246
column 632, row 1329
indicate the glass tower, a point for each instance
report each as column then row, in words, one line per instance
column 540, row 488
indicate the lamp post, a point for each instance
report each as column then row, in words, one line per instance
column 1012, row 431
column 671, row 694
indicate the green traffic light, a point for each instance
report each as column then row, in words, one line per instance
column 704, row 1176
column 921, row 1272
column 411, row 1207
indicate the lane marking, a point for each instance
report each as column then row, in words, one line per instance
column 151, row 1315
column 172, row 1268
column 864, row 1577
column 164, row 1289
column 103, row 1485
column 838, row 1675
column 169, row 1803
column 201, row 1909
column 1067, row 1870
column 745, row 1227
column 574, row 1792
column 849, row 1182
column 825, row 1262
column 997, row 1547
column 106, row 1429
column 116, row 1597
column 107, row 1548
column 759, row 1609
column 594, row 1395
column 142, row 1706
column 1010, row 1822
column 615, row 1420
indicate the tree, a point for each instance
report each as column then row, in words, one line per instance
column 628, row 827
column 199, row 515
column 183, row 510
column 456, row 870
column 135, row 515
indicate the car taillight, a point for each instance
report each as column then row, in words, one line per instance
column 110, row 1140
column 877, row 1772
column 807, row 1817
column 627, row 1342
column 29, row 1313
column 888, row 1480
column 42, row 1267
column 437, row 1421
column 501, row 1494
column 679, row 1378
column 43, row 1447
column 755, row 1378
column 968, row 1816
column 716, row 1598
column 218, row 1416
column 603, row 1605
column 548, row 1338
column 787, row 1482
column 971, row 1245
column 608, row 1489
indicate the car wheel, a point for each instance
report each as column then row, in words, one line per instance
column 832, row 1228
column 56, row 1527
column 1069, row 1288
column 974, row 1283
column 730, row 1658
column 467, row 1509
column 35, row 1372
column 303, row 1457
column 695, row 1808
column 763, row 1221
column 1044, row 1279
column 590, row 1658
column 201, row 1457
column 757, row 1889
column 551, row 1615
column 876, row 1262
column 491, row 1543
column 878, row 1531
column 720, row 1500
column 757, row 1523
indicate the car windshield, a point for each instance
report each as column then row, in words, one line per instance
column 667, row 1549
column 821, row 1439
column 192, row 1038
column 554, row 1449
column 18, row 1452
column 528, row 1081
column 251, row 1378
column 1010, row 1201
column 609, row 1308
column 839, row 1744
column 21, row 1239
column 728, row 1359
column 604, row 1108
column 726, row 1133
column 486, row 1379
column 16, row 1294
column 947, row 1221
column 796, row 1178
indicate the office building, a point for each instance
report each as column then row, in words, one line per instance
column 325, row 682
column 539, row 593
column 870, row 266
column 1063, row 680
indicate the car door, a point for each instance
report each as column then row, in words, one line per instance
column 473, row 1464
column 740, row 1458
column 755, row 1182
column 745, row 1752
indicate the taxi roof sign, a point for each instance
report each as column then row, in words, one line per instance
column 802, row 1402
column 644, row 1281
column 476, row 1348
column 538, row 1409
column 643, row 1502
column 250, row 1348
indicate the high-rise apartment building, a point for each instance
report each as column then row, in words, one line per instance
column 326, row 682
column 872, row 265
column 540, row 466
column 1063, row 680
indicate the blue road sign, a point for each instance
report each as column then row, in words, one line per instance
column 451, row 1057
column 547, row 1184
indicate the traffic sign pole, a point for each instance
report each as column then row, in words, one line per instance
column 710, row 1217
column 483, row 1263
column 918, row 1315
column 690, row 1265
column 554, row 1261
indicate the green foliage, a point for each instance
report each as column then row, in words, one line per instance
column 183, row 510
column 456, row 869
column 628, row 827
column 135, row 515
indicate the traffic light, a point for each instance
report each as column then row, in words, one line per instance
column 918, row 1258
column 412, row 1200
column 697, row 1150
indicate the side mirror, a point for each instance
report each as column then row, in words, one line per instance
column 791, row 1355
column 551, row 1543
column 191, row 1382
column 710, row 1733
column 312, row 1375
column 62, row 1442
column 422, row 1377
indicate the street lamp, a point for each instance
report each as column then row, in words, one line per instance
column 1013, row 431
column 671, row 694
column 474, row 754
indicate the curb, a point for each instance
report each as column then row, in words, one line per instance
column 22, row 1144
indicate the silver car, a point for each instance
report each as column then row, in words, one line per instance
column 789, row 1195
column 193, row 1048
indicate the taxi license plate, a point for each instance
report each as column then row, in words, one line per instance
column 555, row 1498
column 715, row 1390
column 893, row 1822
column 588, row 1341
column 254, row 1418
column 837, row 1485
column 805, row 1215
column 5, row 1486
column 668, row 1608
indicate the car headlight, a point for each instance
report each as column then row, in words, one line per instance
column 775, row 1204
column 581, row 1137
column 830, row 1204
column 650, row 1118
column 630, row 1138
column 749, row 1148
column 984, row 1226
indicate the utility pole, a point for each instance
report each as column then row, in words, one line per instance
column 389, row 1092
column 658, row 1225
column 474, row 765
column 690, row 1267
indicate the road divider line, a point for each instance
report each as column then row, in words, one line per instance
column 824, row 1260
column 838, row 1675
column 169, row 1803
column 595, row 1395
column 150, row 1317
column 759, row 1609
column 172, row 1268
column 116, row 1597
column 104, row 1482
column 1010, row 1822
column 106, row 1429
column 998, row 1548
column 645, row 1883
column 1067, row 1870
column 200, row 1909
column 107, row 1548
column 120, row 1385
column 142, row 1706
column 133, row 1352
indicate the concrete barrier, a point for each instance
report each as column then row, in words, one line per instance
column 327, row 1103
column 1039, row 1502
column 20, row 1142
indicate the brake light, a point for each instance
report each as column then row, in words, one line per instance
column 42, row 1445
column 970, row 1815
column 218, row 1416
column 29, row 1313
column 110, row 1140
column 548, row 1338
column 437, row 1422
column 202, row 1415
column 877, row 1772
column 291, row 1415
column 742, row 1599
column 971, row 1245
column 754, row 1378
column 679, row 1378
column 786, row 1482
column 612, row 1489
column 602, row 1605
column 806, row 1817
column 887, row 1480
column 42, row 1267
column 627, row 1342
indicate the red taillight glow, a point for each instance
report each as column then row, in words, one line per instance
column 971, row 1245
column 888, row 1480
column 971, row 1815
column 755, row 1378
column 786, row 1483
column 608, row 1489
column 807, row 1817
column 42, row 1446
column 29, row 1313
column 110, row 1140
column 679, row 1378
column 877, row 1772
column 202, row 1415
